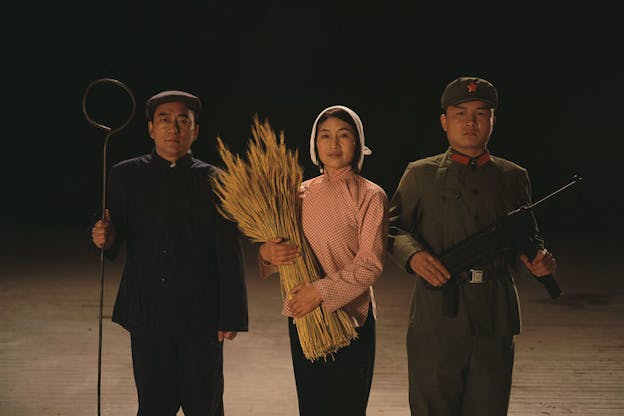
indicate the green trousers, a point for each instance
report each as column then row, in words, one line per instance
column 459, row 375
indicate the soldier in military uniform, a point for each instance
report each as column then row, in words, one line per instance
column 462, row 364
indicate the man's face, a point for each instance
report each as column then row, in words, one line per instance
column 468, row 126
column 173, row 130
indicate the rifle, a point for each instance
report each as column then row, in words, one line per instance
column 511, row 232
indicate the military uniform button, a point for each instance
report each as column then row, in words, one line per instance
column 458, row 195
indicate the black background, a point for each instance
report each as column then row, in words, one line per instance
column 556, row 66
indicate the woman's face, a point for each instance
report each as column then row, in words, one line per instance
column 335, row 142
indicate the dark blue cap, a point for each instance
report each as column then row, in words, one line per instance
column 190, row 100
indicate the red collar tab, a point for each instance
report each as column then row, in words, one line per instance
column 472, row 87
column 473, row 162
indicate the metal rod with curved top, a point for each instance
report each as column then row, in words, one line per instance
column 109, row 132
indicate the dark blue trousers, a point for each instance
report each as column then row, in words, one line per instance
column 173, row 371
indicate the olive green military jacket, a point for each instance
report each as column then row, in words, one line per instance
column 437, row 204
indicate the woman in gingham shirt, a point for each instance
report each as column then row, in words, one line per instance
column 345, row 221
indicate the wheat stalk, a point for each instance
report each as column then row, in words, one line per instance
column 260, row 194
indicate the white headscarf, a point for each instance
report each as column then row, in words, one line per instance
column 360, row 128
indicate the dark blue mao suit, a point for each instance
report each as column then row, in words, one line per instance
column 183, row 280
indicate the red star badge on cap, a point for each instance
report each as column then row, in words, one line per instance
column 472, row 87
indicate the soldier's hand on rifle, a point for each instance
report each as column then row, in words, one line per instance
column 103, row 232
column 543, row 264
column 429, row 268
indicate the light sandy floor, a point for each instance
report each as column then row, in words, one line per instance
column 569, row 357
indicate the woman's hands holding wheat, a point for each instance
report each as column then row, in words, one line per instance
column 276, row 252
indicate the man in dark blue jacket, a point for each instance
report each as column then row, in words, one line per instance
column 183, row 287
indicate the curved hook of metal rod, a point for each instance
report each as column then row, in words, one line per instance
column 95, row 123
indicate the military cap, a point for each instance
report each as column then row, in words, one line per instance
column 190, row 100
column 465, row 89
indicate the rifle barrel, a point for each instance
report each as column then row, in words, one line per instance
column 575, row 179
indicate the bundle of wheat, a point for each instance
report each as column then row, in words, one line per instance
column 260, row 194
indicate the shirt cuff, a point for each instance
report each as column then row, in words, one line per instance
column 266, row 268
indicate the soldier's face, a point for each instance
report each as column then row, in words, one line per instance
column 468, row 126
column 173, row 130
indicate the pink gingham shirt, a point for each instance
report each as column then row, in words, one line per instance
column 345, row 221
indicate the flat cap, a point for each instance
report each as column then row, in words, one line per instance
column 465, row 89
column 190, row 100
